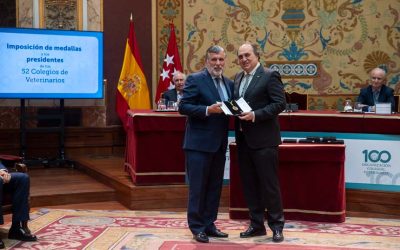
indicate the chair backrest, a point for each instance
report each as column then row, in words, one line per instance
column 13, row 163
column 300, row 99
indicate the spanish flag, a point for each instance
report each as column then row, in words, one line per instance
column 133, row 92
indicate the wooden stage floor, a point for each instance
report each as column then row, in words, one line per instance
column 97, row 179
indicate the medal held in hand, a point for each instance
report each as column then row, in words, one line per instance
column 235, row 107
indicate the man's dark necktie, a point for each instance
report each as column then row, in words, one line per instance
column 219, row 88
column 246, row 84
column 376, row 96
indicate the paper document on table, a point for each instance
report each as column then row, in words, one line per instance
column 235, row 107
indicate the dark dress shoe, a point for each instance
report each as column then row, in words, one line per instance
column 201, row 237
column 277, row 236
column 2, row 246
column 19, row 233
column 217, row 234
column 251, row 232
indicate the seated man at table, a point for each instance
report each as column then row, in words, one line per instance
column 175, row 94
column 377, row 91
column 18, row 185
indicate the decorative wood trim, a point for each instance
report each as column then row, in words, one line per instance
column 17, row 12
column 77, row 140
column 370, row 201
column 101, row 16
column 42, row 20
column 79, row 9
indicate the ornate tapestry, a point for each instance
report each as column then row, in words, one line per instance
column 321, row 47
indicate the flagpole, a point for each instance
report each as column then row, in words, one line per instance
column 132, row 90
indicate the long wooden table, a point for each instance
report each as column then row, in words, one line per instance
column 333, row 121
column 154, row 152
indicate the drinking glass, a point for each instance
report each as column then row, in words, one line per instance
column 161, row 105
column 348, row 106
column 358, row 107
column 171, row 105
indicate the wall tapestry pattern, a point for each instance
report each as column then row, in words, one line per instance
column 321, row 47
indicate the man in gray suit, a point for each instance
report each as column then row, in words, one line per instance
column 377, row 91
column 205, row 142
column 175, row 94
column 258, row 137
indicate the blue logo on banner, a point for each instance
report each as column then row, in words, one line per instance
column 376, row 156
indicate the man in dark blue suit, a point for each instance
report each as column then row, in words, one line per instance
column 377, row 91
column 257, row 138
column 205, row 142
column 175, row 94
column 18, row 185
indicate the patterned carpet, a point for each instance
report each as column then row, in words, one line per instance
column 99, row 229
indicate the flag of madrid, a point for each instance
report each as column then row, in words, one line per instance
column 171, row 64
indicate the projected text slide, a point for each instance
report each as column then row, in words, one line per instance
column 50, row 64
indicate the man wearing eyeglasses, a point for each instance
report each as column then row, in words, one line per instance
column 176, row 93
column 377, row 91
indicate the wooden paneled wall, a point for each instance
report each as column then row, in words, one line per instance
column 102, row 141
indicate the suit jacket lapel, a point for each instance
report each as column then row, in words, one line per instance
column 255, row 79
column 228, row 90
column 211, row 85
column 175, row 94
column 236, row 86
column 382, row 94
column 370, row 94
